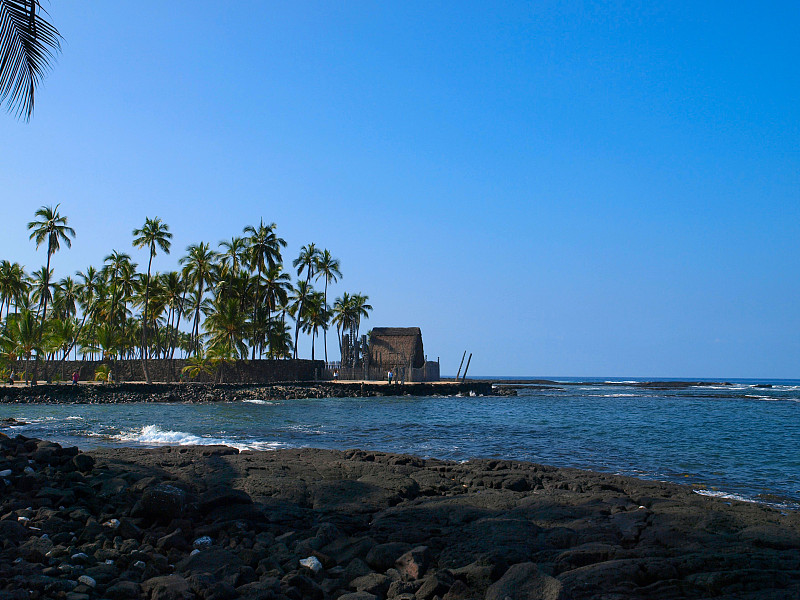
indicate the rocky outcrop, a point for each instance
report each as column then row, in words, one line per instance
column 231, row 392
column 211, row 523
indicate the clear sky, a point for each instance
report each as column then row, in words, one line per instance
column 561, row 188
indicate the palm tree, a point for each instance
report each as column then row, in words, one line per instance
column 328, row 268
column 235, row 254
column 316, row 316
column 42, row 294
column 298, row 298
column 264, row 253
column 227, row 327
column 342, row 315
column 360, row 309
column 174, row 298
column 13, row 284
column 197, row 270
column 86, row 294
column 280, row 340
column 65, row 298
column 153, row 234
column 27, row 45
column 49, row 226
column 25, row 333
column 115, row 268
column 200, row 364
column 306, row 261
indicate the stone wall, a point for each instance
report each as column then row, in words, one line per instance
column 245, row 371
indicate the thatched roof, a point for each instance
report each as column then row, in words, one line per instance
column 396, row 347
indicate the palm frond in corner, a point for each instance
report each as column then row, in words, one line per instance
column 28, row 44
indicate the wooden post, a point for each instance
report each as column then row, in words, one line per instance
column 467, row 367
column 461, row 365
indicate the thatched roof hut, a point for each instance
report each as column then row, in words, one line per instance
column 396, row 347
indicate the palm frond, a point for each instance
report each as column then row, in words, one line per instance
column 28, row 44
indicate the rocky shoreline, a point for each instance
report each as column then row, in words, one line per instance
column 63, row 393
column 212, row 523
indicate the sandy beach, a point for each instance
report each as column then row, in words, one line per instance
column 212, row 523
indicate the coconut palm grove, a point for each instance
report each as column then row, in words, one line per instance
column 229, row 301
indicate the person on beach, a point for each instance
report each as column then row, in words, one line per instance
column 390, row 376
column 110, row 376
column 75, row 378
column 11, row 378
column 336, row 375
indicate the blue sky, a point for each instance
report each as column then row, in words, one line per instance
column 561, row 188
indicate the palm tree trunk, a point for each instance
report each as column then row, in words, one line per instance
column 44, row 315
column 325, row 331
column 144, row 322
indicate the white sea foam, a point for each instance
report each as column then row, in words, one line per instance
column 74, row 419
column 257, row 401
column 723, row 495
column 153, row 434
column 620, row 382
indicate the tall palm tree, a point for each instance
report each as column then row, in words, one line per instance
column 174, row 298
column 360, row 309
column 41, row 289
column 65, row 298
column 342, row 315
column 234, row 254
column 51, row 227
column 300, row 294
column 264, row 253
column 13, row 284
column 197, row 266
column 316, row 316
column 306, row 261
column 153, row 234
column 28, row 44
column 329, row 269
column 115, row 266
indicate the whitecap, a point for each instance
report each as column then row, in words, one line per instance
column 154, row 435
column 74, row 418
column 723, row 495
column 257, row 401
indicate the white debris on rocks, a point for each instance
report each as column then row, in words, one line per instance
column 312, row 562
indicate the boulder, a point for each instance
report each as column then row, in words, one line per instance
column 374, row 583
column 383, row 556
column 414, row 563
column 223, row 496
column 163, row 501
column 166, row 587
column 524, row 581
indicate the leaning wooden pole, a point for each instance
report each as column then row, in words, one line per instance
column 469, row 360
column 461, row 365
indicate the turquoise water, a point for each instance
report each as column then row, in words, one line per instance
column 738, row 439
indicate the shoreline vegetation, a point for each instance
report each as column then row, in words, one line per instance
column 219, row 307
column 212, row 522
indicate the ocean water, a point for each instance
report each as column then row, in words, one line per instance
column 737, row 440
